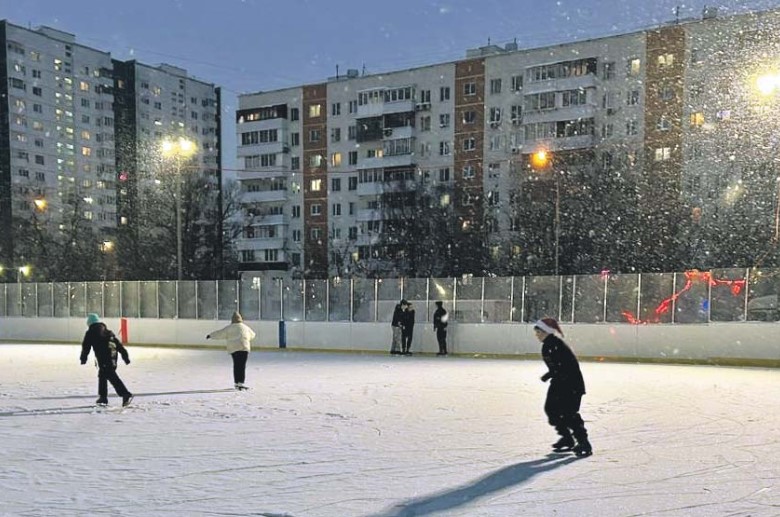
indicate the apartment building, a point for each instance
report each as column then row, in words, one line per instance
column 81, row 131
column 57, row 150
column 648, row 133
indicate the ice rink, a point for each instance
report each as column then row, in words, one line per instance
column 337, row 435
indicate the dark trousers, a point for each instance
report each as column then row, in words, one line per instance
column 441, row 337
column 406, row 338
column 563, row 412
column 239, row 366
column 108, row 374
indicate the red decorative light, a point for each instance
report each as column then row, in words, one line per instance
column 691, row 276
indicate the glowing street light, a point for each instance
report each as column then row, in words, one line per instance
column 178, row 150
column 40, row 204
column 542, row 160
column 768, row 84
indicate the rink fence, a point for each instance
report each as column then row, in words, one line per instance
column 722, row 295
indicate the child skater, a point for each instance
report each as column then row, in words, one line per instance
column 566, row 389
column 106, row 346
column 238, row 336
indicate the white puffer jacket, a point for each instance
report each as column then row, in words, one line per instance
column 237, row 335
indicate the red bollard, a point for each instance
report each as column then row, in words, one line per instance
column 123, row 330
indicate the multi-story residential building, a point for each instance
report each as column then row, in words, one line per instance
column 658, row 138
column 80, row 131
column 57, row 148
column 155, row 105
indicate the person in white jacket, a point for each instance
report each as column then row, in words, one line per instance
column 238, row 336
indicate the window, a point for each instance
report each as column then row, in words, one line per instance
column 39, row 159
column 632, row 99
column 425, row 123
column 517, row 83
column 352, row 133
column 495, row 86
column 314, row 135
column 315, row 209
column 444, row 148
column 444, row 120
column 516, row 114
column 425, row 96
column 295, row 114
column 295, row 163
column 351, row 208
column 664, row 124
column 335, row 109
column 469, row 172
column 295, row 139
column 296, row 211
column 335, row 134
column 315, row 110
column 469, row 144
column 444, row 174
column 665, row 60
column 353, row 157
column 38, row 91
column 353, row 106
column 335, row 209
column 634, row 66
column 353, row 233
column 335, row 184
column 18, row 83
column 576, row 97
column 444, row 93
column 495, row 116
column 296, row 236
column 271, row 255
column 315, row 233
column 37, row 108
column 666, row 93
column 469, row 117
column 353, row 182
column 608, row 72
column 315, row 185
column 632, row 127
column 83, row 86
column 496, row 142
column 86, row 151
column 697, row 119
column 335, row 159
column 469, row 88
column 663, row 153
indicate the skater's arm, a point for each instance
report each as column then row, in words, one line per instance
column 120, row 348
column 84, row 350
column 219, row 334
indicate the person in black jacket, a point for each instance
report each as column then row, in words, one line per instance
column 407, row 327
column 440, row 319
column 106, row 347
column 566, row 389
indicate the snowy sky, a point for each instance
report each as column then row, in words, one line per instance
column 340, row 435
column 251, row 45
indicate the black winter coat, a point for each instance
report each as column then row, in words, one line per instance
column 564, row 369
column 397, row 316
column 438, row 324
column 105, row 344
column 407, row 319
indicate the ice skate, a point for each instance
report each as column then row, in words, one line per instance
column 566, row 443
column 240, row 386
column 583, row 449
column 127, row 399
column 101, row 402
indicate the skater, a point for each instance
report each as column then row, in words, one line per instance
column 395, row 346
column 238, row 336
column 440, row 318
column 407, row 329
column 107, row 347
column 566, row 389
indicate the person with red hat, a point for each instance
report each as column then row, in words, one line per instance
column 566, row 389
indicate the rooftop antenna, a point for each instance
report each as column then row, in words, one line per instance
column 488, row 41
column 364, row 69
column 337, row 71
column 677, row 14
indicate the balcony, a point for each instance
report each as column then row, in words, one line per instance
column 562, row 113
column 266, row 220
column 563, row 83
column 373, row 188
column 369, row 214
column 567, row 143
column 263, row 148
column 367, row 239
column 257, row 125
column 273, row 172
column 260, row 243
column 376, row 109
column 396, row 133
column 387, row 161
column 266, row 196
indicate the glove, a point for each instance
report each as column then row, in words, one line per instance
column 208, row 336
column 83, row 361
column 127, row 361
column 545, row 377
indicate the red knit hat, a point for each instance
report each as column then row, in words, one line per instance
column 548, row 325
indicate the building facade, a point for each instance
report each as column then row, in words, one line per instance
column 659, row 144
column 81, row 131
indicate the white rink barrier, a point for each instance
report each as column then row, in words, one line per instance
column 721, row 343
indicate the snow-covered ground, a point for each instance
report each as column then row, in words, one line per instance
column 377, row 436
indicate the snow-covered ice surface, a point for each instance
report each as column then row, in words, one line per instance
column 341, row 435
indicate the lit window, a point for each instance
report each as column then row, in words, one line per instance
column 665, row 60
column 314, row 110
column 697, row 119
column 86, row 151
column 663, row 154
column 335, row 159
column 84, row 86
column 315, row 185
column 634, row 66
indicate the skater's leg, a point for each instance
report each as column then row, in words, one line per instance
column 112, row 377
column 239, row 366
column 102, row 388
column 574, row 421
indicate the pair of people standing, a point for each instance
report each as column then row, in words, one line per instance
column 403, row 328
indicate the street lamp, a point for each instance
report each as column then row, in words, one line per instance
column 178, row 149
column 542, row 160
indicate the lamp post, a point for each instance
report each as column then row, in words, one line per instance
column 542, row 160
column 178, row 149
